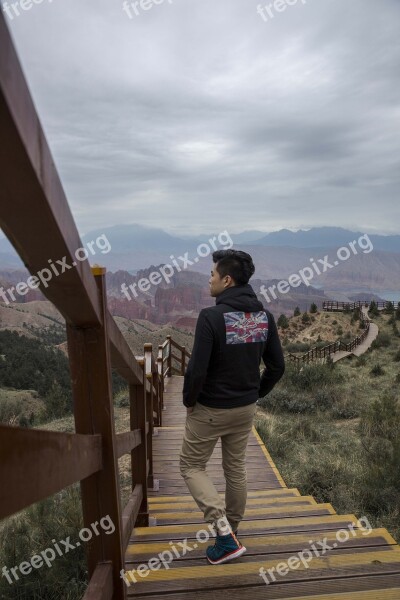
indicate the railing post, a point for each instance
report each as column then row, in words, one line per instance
column 183, row 360
column 137, row 396
column 148, row 350
column 169, row 356
column 90, row 364
column 160, row 367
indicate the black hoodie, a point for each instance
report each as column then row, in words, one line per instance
column 230, row 340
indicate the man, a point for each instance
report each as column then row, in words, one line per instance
column 221, row 386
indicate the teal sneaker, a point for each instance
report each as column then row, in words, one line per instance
column 226, row 547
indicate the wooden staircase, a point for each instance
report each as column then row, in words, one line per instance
column 279, row 523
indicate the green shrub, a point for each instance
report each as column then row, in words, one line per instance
column 379, row 431
column 296, row 312
column 389, row 308
column 383, row 340
column 305, row 318
column 122, row 399
column 346, row 408
column 282, row 400
column 313, row 376
column 396, row 357
column 377, row 371
column 31, row 531
column 283, row 322
column 373, row 309
column 313, row 308
column 294, row 347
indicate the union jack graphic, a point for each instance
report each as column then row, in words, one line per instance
column 246, row 327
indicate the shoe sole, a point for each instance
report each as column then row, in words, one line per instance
column 228, row 557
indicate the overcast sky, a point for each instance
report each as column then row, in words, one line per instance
column 199, row 116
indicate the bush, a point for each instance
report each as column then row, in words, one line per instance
column 373, row 309
column 122, row 399
column 313, row 308
column 377, row 371
column 379, row 432
column 294, row 347
column 346, row 408
column 389, row 308
column 283, row 322
column 383, row 340
column 313, row 376
column 396, row 357
column 296, row 312
column 305, row 318
column 31, row 531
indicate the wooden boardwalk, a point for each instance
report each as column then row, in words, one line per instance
column 278, row 524
column 365, row 345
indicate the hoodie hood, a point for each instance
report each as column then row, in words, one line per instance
column 240, row 297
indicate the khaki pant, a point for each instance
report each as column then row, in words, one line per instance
column 204, row 426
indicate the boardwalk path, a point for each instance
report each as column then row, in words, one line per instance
column 278, row 524
column 365, row 345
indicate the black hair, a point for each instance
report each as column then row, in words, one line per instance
column 236, row 263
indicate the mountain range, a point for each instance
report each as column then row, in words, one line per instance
column 277, row 255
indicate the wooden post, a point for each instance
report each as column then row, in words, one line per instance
column 137, row 396
column 89, row 356
column 148, row 348
column 183, row 360
column 169, row 356
column 160, row 368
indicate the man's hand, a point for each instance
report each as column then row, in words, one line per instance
column 189, row 410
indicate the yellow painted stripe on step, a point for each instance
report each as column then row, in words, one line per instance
column 250, row 502
column 235, row 569
column 139, row 548
column 252, row 511
column 257, row 524
column 250, row 494
column 268, row 457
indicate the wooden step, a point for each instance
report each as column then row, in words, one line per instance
column 246, row 571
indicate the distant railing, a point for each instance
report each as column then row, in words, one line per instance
column 342, row 306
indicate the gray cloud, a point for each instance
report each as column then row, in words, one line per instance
column 199, row 116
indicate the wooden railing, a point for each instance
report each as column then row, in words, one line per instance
column 34, row 464
column 322, row 353
column 342, row 306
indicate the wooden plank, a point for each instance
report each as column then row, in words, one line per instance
column 165, row 518
column 128, row 441
column 369, row 587
column 191, row 506
column 89, row 353
column 246, row 571
column 265, row 544
column 101, row 583
column 130, row 513
column 47, row 231
column 272, row 525
column 122, row 357
column 137, row 396
column 50, row 460
column 278, row 493
column 34, row 212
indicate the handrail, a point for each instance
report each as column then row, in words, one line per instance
column 36, row 218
